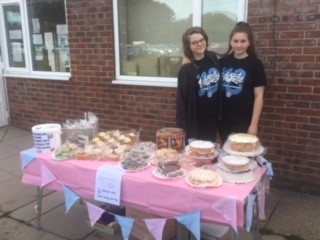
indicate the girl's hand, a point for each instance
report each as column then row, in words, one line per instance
column 253, row 130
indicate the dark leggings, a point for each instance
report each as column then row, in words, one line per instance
column 207, row 130
column 228, row 127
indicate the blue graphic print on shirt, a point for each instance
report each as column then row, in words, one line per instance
column 233, row 81
column 208, row 82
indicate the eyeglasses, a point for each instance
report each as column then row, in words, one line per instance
column 201, row 41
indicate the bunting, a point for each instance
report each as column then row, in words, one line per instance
column 249, row 213
column 227, row 207
column 192, row 222
column 126, row 224
column 155, row 227
column 46, row 176
column 94, row 212
column 70, row 197
column 28, row 157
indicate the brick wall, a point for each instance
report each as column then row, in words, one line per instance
column 289, row 48
column 287, row 36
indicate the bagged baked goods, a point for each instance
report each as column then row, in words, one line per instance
column 202, row 152
column 109, row 145
column 149, row 147
column 116, row 136
column 134, row 161
column 166, row 153
column 170, row 167
column 66, row 151
column 171, row 138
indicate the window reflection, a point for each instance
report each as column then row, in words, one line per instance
column 218, row 19
column 150, row 36
column 14, row 34
column 150, row 32
column 48, row 35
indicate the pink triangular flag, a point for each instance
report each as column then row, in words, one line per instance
column 227, row 207
column 155, row 226
column 95, row 213
column 46, row 176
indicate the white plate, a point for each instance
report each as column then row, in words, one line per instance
column 203, row 185
column 251, row 166
column 238, row 178
column 148, row 156
column 134, row 170
column 188, row 149
column 200, row 156
column 159, row 175
column 260, row 150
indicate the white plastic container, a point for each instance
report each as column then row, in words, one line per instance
column 47, row 137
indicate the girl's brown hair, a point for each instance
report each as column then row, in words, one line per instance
column 186, row 40
column 243, row 27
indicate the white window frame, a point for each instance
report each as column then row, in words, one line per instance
column 159, row 81
column 28, row 71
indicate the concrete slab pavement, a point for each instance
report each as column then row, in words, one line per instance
column 290, row 215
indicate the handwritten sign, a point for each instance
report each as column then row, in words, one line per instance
column 108, row 185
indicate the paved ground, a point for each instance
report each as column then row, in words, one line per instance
column 290, row 215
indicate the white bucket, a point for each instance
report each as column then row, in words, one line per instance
column 47, row 137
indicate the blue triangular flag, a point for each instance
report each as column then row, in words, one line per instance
column 192, row 222
column 70, row 197
column 126, row 225
column 28, row 157
column 269, row 169
column 249, row 213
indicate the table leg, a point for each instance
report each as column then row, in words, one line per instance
column 234, row 234
column 255, row 232
column 182, row 233
column 38, row 207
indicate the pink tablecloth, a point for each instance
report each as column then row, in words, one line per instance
column 141, row 190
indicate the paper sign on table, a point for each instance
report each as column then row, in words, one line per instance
column 108, row 185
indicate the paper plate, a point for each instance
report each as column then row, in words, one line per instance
column 251, row 166
column 148, row 164
column 203, row 185
column 54, row 157
column 212, row 155
column 238, row 178
column 260, row 150
column 159, row 175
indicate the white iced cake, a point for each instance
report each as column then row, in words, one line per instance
column 201, row 146
column 242, row 142
column 236, row 163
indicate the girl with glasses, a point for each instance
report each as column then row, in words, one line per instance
column 198, row 84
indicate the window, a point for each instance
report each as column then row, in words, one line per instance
column 35, row 39
column 148, row 33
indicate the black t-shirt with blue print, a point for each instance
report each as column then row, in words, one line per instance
column 240, row 77
column 207, row 80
